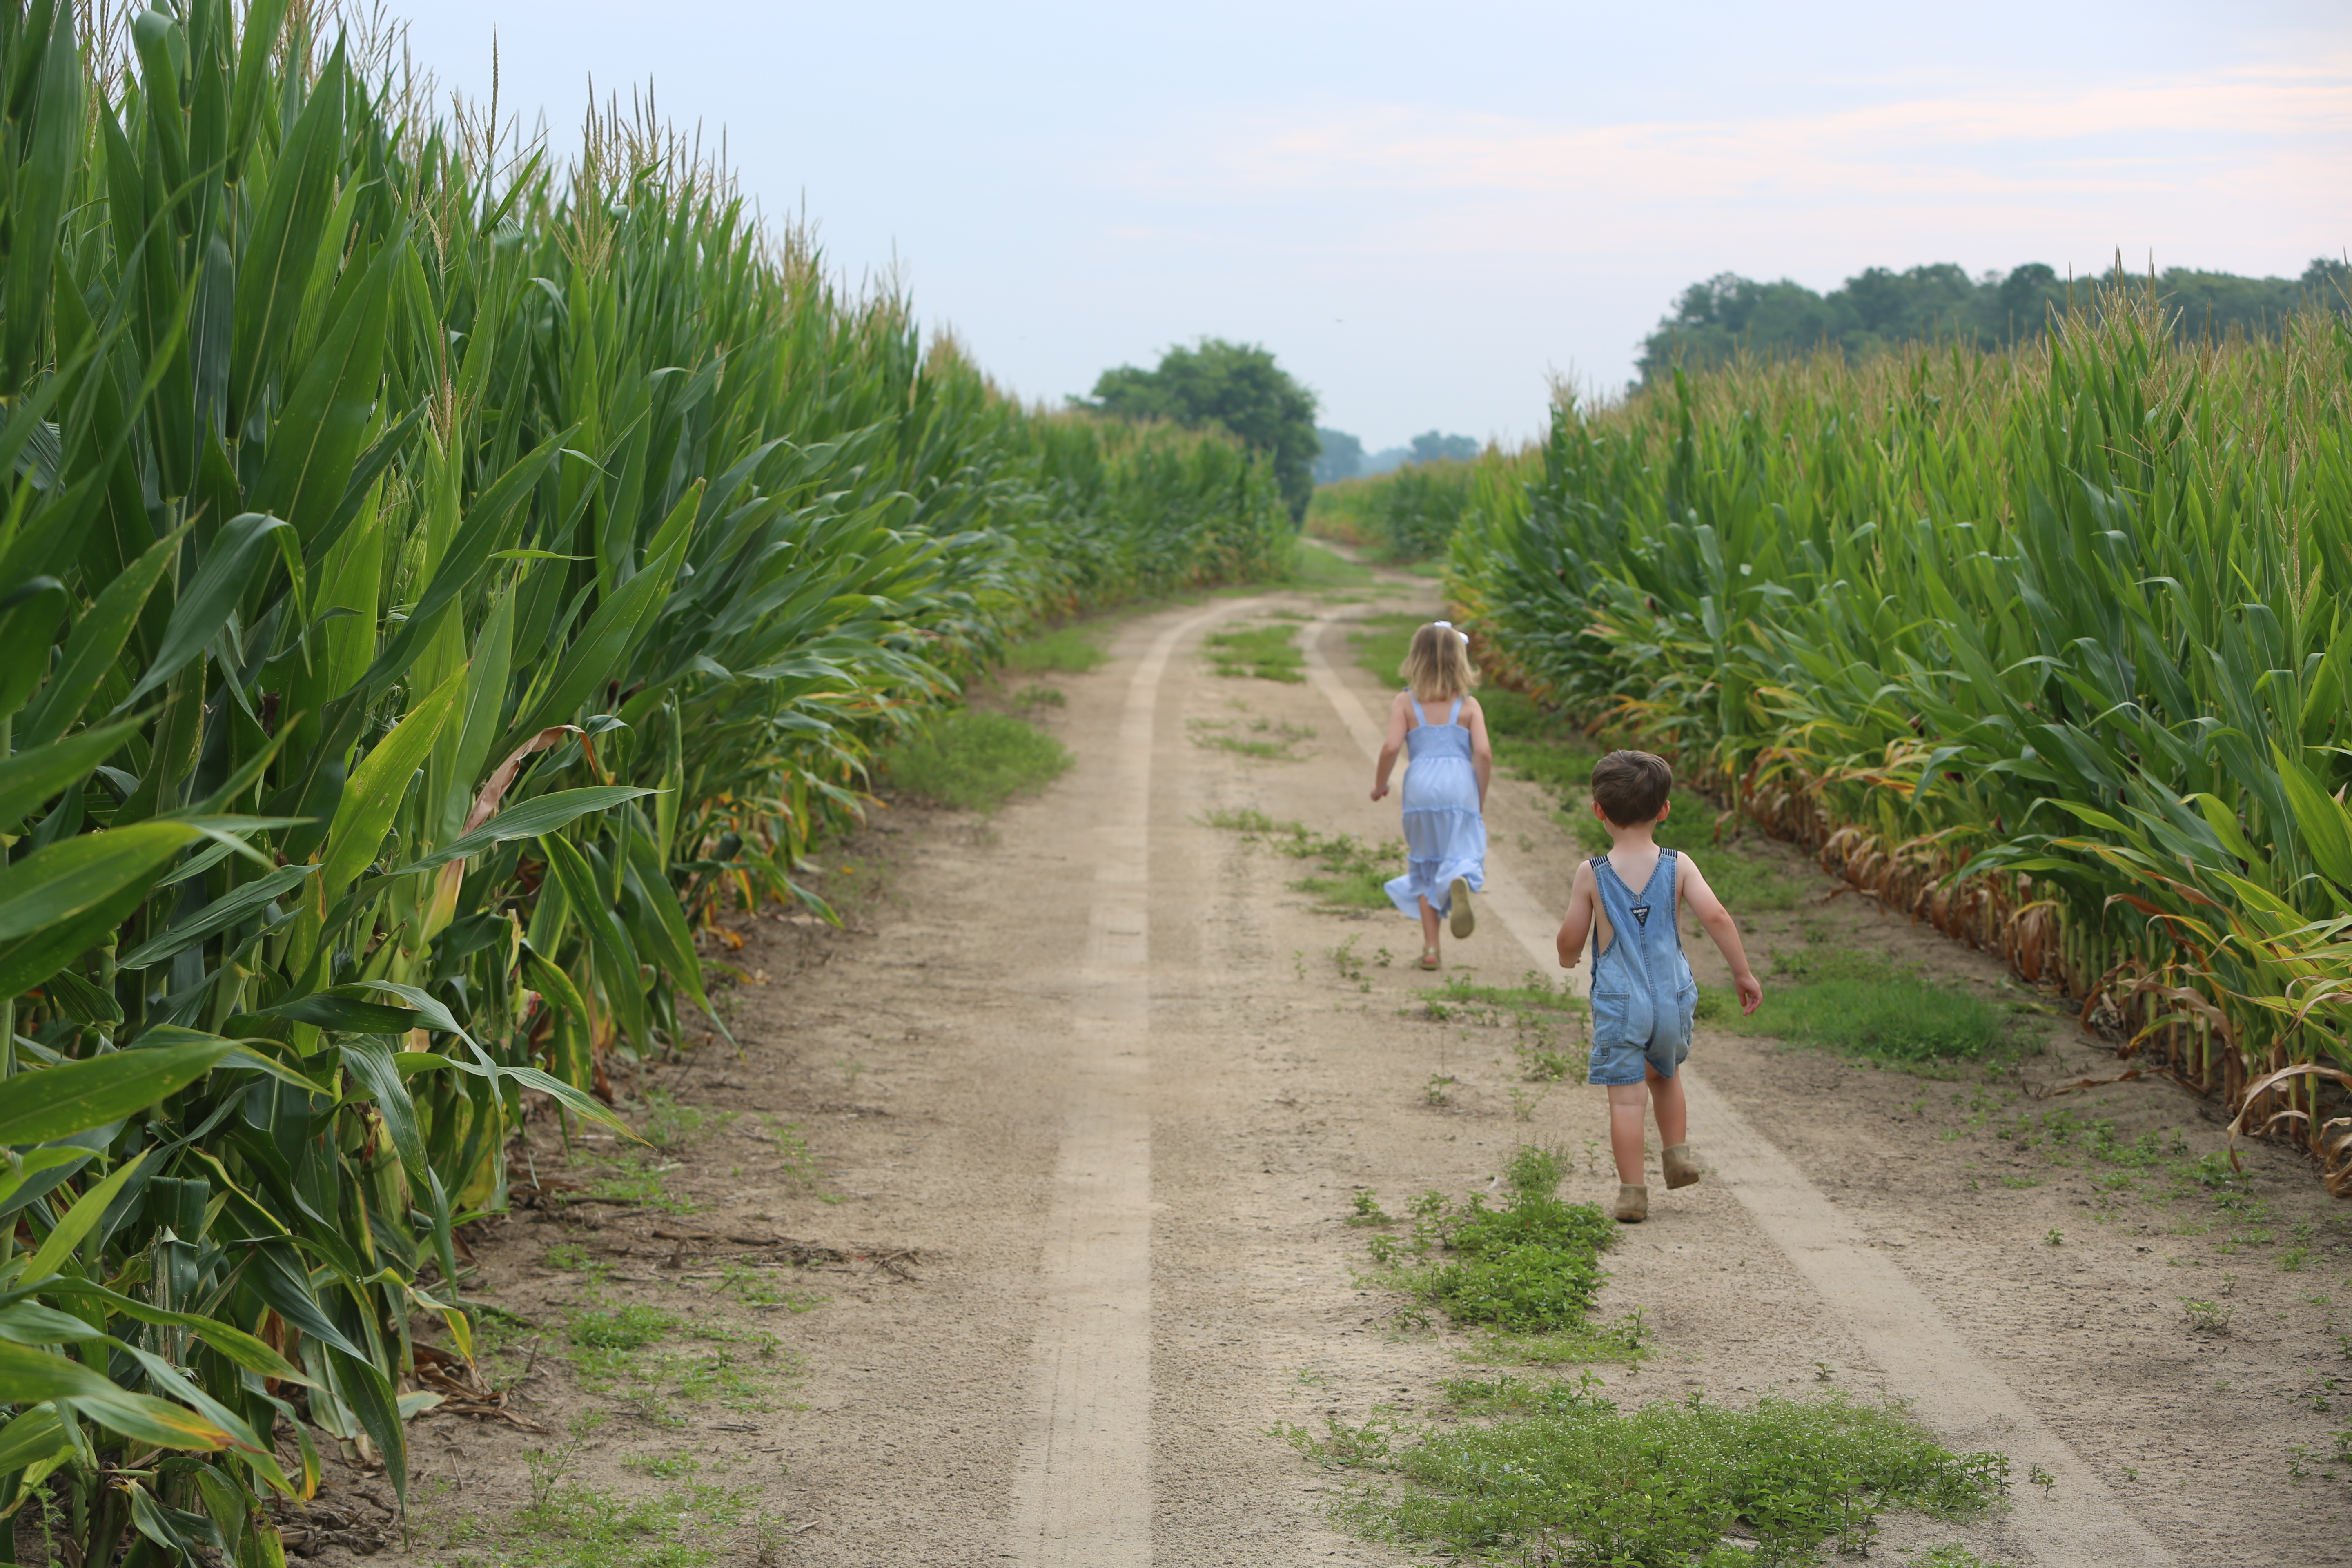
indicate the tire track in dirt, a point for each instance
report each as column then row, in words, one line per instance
column 1082, row 1490
column 1911, row 1340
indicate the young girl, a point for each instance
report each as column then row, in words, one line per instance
column 1444, row 786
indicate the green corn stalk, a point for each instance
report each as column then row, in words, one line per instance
column 431, row 582
column 2049, row 646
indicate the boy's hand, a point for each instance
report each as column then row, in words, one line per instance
column 1751, row 992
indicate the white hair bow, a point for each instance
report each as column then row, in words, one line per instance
column 1449, row 626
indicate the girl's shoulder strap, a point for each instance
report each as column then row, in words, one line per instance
column 1419, row 718
column 1455, row 712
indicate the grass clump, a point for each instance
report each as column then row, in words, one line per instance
column 1352, row 875
column 1269, row 738
column 1533, row 991
column 1067, row 651
column 1529, row 1268
column 1746, row 882
column 1381, row 642
column 633, row 1352
column 1535, row 1008
column 1562, row 1475
column 1268, row 652
column 1314, row 565
column 759, row 1288
column 632, row 1179
column 1535, row 743
column 794, row 1159
column 974, row 760
column 671, row 1126
column 578, row 1526
column 1868, row 1007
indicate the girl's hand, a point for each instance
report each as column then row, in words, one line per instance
column 1380, row 788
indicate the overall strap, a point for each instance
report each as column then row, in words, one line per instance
column 1613, row 891
column 1453, row 712
column 1666, row 859
column 1599, row 864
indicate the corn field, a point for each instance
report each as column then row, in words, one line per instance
column 1409, row 512
column 433, row 581
column 2052, row 649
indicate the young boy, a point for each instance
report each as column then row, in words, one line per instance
column 1643, row 997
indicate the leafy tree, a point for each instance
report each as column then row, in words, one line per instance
column 1429, row 446
column 1341, row 455
column 1236, row 387
column 1879, row 308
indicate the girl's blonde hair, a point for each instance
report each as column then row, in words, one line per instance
column 1437, row 666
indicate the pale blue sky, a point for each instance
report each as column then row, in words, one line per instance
column 1425, row 210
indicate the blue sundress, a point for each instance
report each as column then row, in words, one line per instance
column 1445, row 836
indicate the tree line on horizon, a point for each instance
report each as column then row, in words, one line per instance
column 1240, row 389
column 1879, row 308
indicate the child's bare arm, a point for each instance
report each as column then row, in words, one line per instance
column 1391, row 745
column 1578, row 925
column 1723, row 929
column 1482, row 751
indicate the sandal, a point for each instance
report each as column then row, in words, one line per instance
column 1457, row 899
column 1429, row 958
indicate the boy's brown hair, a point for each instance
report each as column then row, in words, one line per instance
column 1632, row 787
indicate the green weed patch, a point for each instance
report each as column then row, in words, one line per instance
column 974, row 760
column 1270, row 740
column 1267, row 653
column 1067, row 651
column 669, row 1125
column 1559, row 1474
column 569, row 1525
column 1870, row 1007
column 653, row 1358
column 635, row 1179
column 1351, row 875
column 1380, row 643
column 1529, row 1268
column 1746, row 882
column 1533, row 991
column 1534, row 743
column 1535, row 1009
column 588, row 1527
column 1314, row 566
column 2154, row 1166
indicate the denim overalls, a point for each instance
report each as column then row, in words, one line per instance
column 1643, row 996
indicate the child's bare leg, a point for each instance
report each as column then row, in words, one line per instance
column 1673, row 1111
column 1628, row 1103
column 1432, row 922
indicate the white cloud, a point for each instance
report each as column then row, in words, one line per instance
column 1976, row 145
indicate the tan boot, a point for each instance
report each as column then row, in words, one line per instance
column 1632, row 1203
column 1682, row 1165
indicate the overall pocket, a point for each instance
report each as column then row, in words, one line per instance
column 1610, row 1025
column 1687, row 1009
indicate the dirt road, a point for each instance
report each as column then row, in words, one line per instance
column 1089, row 1079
